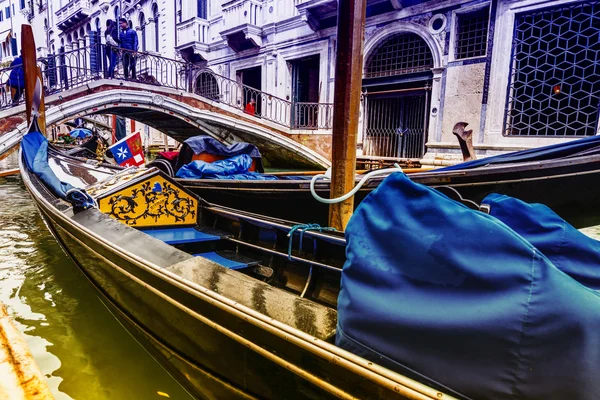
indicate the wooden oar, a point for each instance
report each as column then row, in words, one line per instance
column 29, row 67
column 358, row 172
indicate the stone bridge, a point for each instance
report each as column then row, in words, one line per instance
column 179, row 114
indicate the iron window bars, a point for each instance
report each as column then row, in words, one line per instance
column 472, row 34
column 400, row 54
column 554, row 84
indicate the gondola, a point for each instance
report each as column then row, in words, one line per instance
column 437, row 300
column 560, row 176
column 230, row 301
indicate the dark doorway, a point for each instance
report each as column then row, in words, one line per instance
column 397, row 82
column 251, row 79
column 305, row 92
column 396, row 124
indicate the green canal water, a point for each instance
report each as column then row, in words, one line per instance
column 78, row 344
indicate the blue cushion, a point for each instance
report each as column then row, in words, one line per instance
column 574, row 253
column 180, row 235
column 432, row 287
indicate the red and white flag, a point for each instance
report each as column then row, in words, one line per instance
column 129, row 151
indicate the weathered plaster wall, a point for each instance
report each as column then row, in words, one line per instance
column 464, row 88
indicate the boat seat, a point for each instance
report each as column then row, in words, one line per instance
column 228, row 259
column 308, row 316
column 181, row 235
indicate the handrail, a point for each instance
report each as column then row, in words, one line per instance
column 78, row 66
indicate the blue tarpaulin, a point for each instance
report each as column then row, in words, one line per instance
column 231, row 168
column 34, row 147
column 459, row 300
column 571, row 251
column 206, row 144
column 586, row 146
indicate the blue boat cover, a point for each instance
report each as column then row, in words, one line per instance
column 206, row 144
column 571, row 251
column 587, row 146
column 231, row 168
column 34, row 147
column 455, row 298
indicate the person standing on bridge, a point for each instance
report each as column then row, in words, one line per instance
column 129, row 42
column 251, row 107
column 16, row 80
column 112, row 44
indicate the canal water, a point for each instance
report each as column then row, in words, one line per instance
column 79, row 346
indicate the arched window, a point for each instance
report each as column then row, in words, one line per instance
column 155, row 15
column 207, row 86
column 69, row 40
column 117, row 14
column 98, row 26
column 400, row 54
column 143, row 31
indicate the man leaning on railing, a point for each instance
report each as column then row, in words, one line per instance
column 129, row 42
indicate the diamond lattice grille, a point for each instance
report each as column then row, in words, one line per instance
column 554, row 87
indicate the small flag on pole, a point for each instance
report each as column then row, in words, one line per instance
column 129, row 151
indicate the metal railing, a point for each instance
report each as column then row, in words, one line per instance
column 76, row 67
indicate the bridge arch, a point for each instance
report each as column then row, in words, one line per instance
column 179, row 120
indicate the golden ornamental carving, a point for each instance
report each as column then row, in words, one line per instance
column 152, row 202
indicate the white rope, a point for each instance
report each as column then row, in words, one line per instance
column 365, row 178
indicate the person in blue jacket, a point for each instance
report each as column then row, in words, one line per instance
column 129, row 41
column 16, row 79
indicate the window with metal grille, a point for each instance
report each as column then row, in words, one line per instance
column 207, row 86
column 471, row 34
column 401, row 54
column 554, row 85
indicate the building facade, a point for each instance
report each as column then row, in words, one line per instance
column 521, row 73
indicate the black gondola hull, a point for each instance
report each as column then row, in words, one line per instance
column 567, row 186
column 197, row 333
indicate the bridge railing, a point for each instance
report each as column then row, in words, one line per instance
column 294, row 115
column 78, row 66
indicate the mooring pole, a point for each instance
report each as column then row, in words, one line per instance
column 346, row 106
column 29, row 66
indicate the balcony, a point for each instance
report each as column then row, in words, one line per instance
column 192, row 38
column 75, row 11
column 322, row 14
column 242, row 24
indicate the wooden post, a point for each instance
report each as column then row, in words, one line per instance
column 166, row 142
column 29, row 66
column 114, row 129
column 346, row 106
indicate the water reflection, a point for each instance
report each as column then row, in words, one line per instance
column 77, row 343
